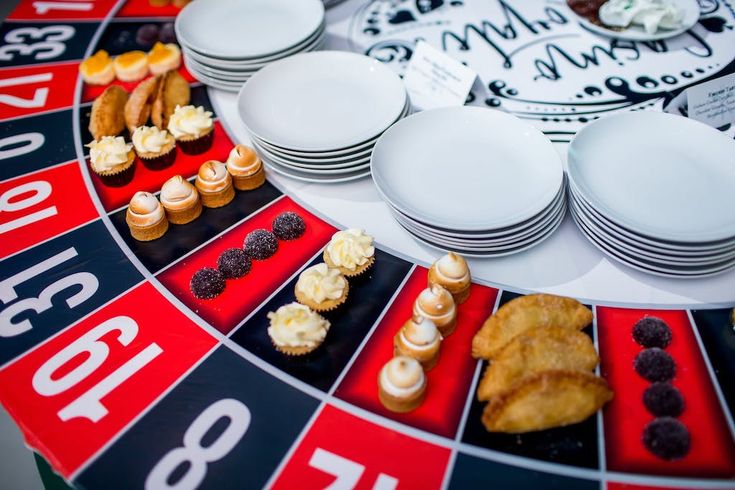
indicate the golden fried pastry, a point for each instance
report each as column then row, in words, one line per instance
column 173, row 90
column 534, row 351
column 524, row 313
column 138, row 108
column 107, row 117
column 546, row 400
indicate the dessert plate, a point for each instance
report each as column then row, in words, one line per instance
column 325, row 169
column 466, row 169
column 319, row 163
column 315, row 178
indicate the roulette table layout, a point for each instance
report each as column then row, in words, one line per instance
column 118, row 377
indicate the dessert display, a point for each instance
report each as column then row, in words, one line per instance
column 321, row 288
column 260, row 244
column 418, row 339
column 163, row 58
column 437, row 304
column 107, row 117
column 297, row 330
column 97, row 69
column 172, row 90
column 193, row 128
column 181, row 200
column 145, row 217
column 288, row 226
column 351, row 251
column 246, row 168
column 112, row 160
column 452, row 273
column 131, row 66
column 234, row 263
column 207, row 283
column 138, row 108
column 214, row 185
column 155, row 148
column 402, row 384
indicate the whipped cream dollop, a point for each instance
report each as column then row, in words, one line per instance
column 243, row 160
column 436, row 304
column 319, row 283
column 651, row 14
column 212, row 176
column 150, row 139
column 296, row 325
column 420, row 333
column 189, row 121
column 109, row 152
column 350, row 248
column 177, row 192
column 144, row 209
column 402, row 376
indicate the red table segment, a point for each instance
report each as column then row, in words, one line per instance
column 62, row 9
column 712, row 451
column 448, row 381
column 629, row 486
column 29, row 90
column 344, row 451
column 242, row 296
column 39, row 206
column 143, row 8
column 94, row 378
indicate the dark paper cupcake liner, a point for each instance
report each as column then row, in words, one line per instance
column 197, row 146
column 119, row 179
column 161, row 161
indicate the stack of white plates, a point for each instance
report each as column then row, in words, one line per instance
column 476, row 181
column 655, row 192
column 226, row 41
column 315, row 117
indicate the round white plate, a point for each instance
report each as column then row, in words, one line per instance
column 194, row 67
column 659, row 175
column 317, row 179
column 315, row 169
column 466, row 168
column 638, row 33
column 321, row 101
column 217, row 83
column 237, row 29
column 311, row 164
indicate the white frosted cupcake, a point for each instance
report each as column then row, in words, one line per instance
column 112, row 160
column 297, row 330
column 321, row 288
column 351, row 251
column 193, row 129
column 155, row 148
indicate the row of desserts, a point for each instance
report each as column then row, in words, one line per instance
column 131, row 66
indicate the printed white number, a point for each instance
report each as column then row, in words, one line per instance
column 196, row 455
column 89, row 405
column 40, row 190
column 39, row 95
column 348, row 472
column 50, row 43
column 45, row 7
column 28, row 142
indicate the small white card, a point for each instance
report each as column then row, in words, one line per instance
column 434, row 79
column 713, row 102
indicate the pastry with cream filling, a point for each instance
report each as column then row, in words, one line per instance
column 155, row 148
column 193, row 129
column 296, row 329
column 401, row 384
column 351, row 251
column 321, row 288
column 437, row 304
column 419, row 339
column 181, row 201
column 214, row 185
column 246, row 168
column 145, row 217
column 452, row 273
column 112, row 160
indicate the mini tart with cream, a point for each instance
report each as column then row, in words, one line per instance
column 321, row 288
column 155, row 148
column 437, row 304
column 97, row 69
column 193, row 128
column 452, row 273
column 214, row 184
column 419, row 339
column 181, row 201
column 296, row 330
column 131, row 66
column 246, row 168
column 112, row 160
column 163, row 58
column 401, row 384
column 351, row 251
column 145, row 217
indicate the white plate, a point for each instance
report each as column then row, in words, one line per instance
column 315, row 169
column 364, row 153
column 237, row 29
column 311, row 164
column 638, row 33
column 217, row 83
column 195, row 67
column 466, row 168
column 316, row 179
column 659, row 175
column 321, row 101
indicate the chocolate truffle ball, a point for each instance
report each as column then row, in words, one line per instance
column 667, row 438
column 260, row 244
column 207, row 283
column 288, row 226
column 233, row 263
column 663, row 399
column 655, row 365
column 652, row 332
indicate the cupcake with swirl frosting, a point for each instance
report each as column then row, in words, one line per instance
column 321, row 288
column 155, row 148
column 181, row 201
column 145, row 217
column 351, row 251
column 401, row 384
column 297, row 330
column 193, row 129
column 246, row 168
column 112, row 160
column 452, row 272
column 214, row 185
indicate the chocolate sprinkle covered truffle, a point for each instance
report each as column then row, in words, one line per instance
column 207, row 283
column 663, row 399
column 288, row 226
column 667, row 438
column 655, row 365
column 260, row 244
column 233, row 263
column 651, row 331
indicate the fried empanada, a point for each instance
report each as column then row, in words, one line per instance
column 107, row 118
column 173, row 90
column 524, row 313
column 138, row 108
column 546, row 400
column 534, row 351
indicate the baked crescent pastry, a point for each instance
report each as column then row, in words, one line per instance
column 107, row 113
column 535, row 351
column 138, row 107
column 546, row 400
column 524, row 313
column 172, row 91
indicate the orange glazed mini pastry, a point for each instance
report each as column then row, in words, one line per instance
column 146, row 217
column 214, row 185
column 181, row 201
column 437, row 304
column 163, row 58
column 97, row 69
column 131, row 66
column 452, row 273
column 420, row 340
column 246, row 168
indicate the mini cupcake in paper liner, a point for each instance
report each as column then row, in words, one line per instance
column 296, row 329
column 193, row 129
column 351, row 251
column 112, row 160
column 155, row 148
column 321, row 288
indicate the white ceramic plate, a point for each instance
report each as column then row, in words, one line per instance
column 316, row 179
column 321, row 101
column 315, row 169
column 466, row 168
column 638, row 33
column 216, row 82
column 659, row 175
column 351, row 162
column 237, row 29
column 195, row 67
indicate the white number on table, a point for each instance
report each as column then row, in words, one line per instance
column 194, row 453
column 39, row 95
column 348, row 472
column 39, row 191
column 24, row 143
column 45, row 7
column 86, row 280
column 89, row 405
column 48, row 42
